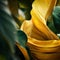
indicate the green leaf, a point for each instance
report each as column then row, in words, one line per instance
column 50, row 24
column 8, row 32
column 56, row 18
column 17, row 21
column 22, row 38
column 7, row 28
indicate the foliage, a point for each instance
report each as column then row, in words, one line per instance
column 9, row 35
column 56, row 18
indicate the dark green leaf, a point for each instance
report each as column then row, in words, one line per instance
column 56, row 18
column 50, row 24
column 22, row 38
column 8, row 32
column 7, row 28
